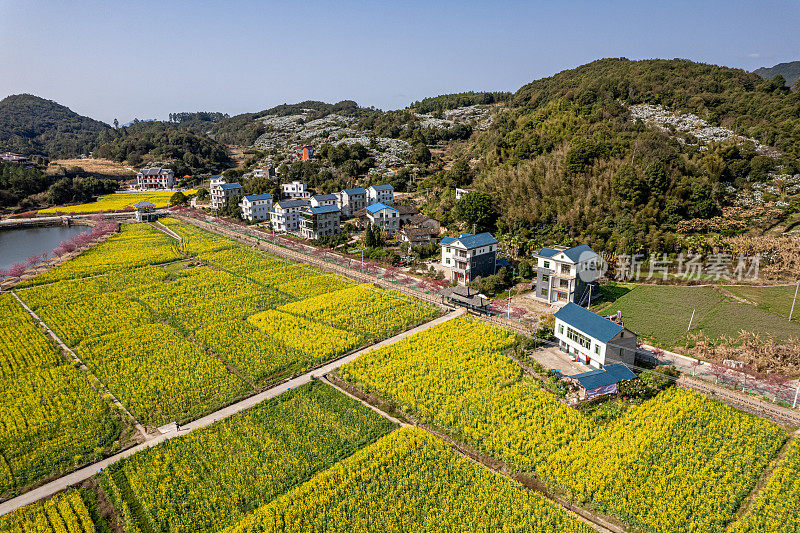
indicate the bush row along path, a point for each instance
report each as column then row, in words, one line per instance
column 83, row 474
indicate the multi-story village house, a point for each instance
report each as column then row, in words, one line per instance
column 256, row 206
column 384, row 217
column 285, row 216
column 383, row 194
column 294, row 190
column 559, row 273
column 155, row 178
column 351, row 200
column 316, row 222
column 221, row 193
column 469, row 256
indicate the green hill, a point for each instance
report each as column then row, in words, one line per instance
column 32, row 125
column 790, row 72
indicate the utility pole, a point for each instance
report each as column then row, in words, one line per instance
column 794, row 300
column 589, row 303
column 795, row 395
column 508, row 313
column 690, row 321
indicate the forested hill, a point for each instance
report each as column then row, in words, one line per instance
column 33, row 125
column 790, row 72
column 566, row 162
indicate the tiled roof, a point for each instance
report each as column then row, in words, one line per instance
column 257, row 197
column 374, row 208
column 406, row 209
column 588, row 322
column 144, row 204
column 548, row 252
column 447, row 240
column 384, row 187
column 286, row 204
column 576, row 252
column 154, row 171
column 324, row 197
column 229, row 186
column 323, row 210
column 610, row 375
column 474, row 241
column 357, row 190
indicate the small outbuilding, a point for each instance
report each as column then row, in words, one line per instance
column 466, row 296
column 597, row 383
column 145, row 212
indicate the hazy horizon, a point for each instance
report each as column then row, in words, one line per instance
column 145, row 60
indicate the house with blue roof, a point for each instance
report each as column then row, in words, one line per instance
column 256, row 206
column 384, row 217
column 322, row 200
column 351, row 200
column 380, row 194
column 222, row 192
column 592, row 339
column 319, row 221
column 469, row 256
column 285, row 215
column 599, row 382
column 563, row 274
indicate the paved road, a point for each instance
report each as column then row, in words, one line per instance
column 64, row 482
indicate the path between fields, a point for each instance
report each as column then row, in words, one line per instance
column 67, row 350
column 83, row 474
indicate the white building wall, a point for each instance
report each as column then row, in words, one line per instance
column 596, row 359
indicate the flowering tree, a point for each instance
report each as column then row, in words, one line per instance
column 16, row 270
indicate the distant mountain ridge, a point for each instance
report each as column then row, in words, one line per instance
column 33, row 125
column 790, row 71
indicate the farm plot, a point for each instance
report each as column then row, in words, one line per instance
column 159, row 375
column 195, row 240
column 64, row 513
column 677, row 459
column 51, row 419
column 213, row 477
column 257, row 355
column 363, row 310
column 455, row 376
column 114, row 202
column 775, row 508
column 201, row 296
column 315, row 339
column 678, row 462
column 134, row 246
column 408, row 481
column 661, row 313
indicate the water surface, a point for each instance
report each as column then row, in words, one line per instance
column 18, row 244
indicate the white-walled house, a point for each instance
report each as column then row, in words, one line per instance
column 383, row 216
column 294, row 190
column 323, row 200
column 155, row 178
column 256, row 206
column 380, row 194
column 594, row 340
column 220, row 194
column 351, row 200
column 558, row 273
column 285, row 216
column 469, row 256
column 316, row 222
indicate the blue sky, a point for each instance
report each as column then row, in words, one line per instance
column 146, row 59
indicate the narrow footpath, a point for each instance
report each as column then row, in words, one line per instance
column 85, row 473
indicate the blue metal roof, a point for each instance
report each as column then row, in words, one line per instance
column 589, row 323
column 384, row 187
column 548, row 252
column 291, row 203
column 447, row 240
column 474, row 241
column 374, row 208
column 324, row 209
column 575, row 252
column 357, row 190
column 256, row 197
column 324, row 197
column 610, row 375
column 227, row 186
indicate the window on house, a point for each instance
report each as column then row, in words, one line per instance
column 546, row 264
column 545, row 278
column 581, row 339
column 561, row 328
column 597, row 349
column 544, row 292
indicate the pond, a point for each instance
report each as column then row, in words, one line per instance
column 16, row 245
